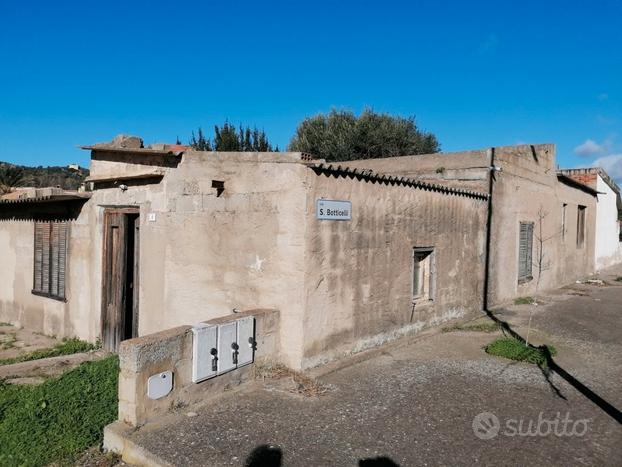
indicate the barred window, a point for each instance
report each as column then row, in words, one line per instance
column 50, row 259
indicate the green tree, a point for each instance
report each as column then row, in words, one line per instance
column 340, row 136
column 10, row 178
column 227, row 138
column 200, row 142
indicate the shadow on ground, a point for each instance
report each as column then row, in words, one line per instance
column 551, row 365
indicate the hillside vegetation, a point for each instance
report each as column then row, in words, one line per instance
column 38, row 177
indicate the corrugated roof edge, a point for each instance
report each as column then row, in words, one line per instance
column 48, row 198
column 366, row 174
column 571, row 182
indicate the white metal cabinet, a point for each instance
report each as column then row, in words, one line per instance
column 246, row 340
column 204, row 352
column 227, row 347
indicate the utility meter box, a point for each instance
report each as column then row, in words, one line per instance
column 217, row 349
column 246, row 340
column 227, row 347
column 204, row 352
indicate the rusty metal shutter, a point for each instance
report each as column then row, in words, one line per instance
column 525, row 246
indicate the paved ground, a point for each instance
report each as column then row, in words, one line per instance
column 415, row 404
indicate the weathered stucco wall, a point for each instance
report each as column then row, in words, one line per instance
column 526, row 182
column 205, row 254
column 358, row 277
column 17, row 303
column 526, row 187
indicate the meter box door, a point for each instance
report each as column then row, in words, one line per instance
column 228, row 350
column 246, row 340
column 204, row 352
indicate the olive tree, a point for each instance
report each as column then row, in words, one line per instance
column 340, row 135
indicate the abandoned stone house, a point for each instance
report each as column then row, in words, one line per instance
column 351, row 256
column 542, row 222
column 166, row 236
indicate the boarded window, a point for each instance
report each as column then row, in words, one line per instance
column 525, row 247
column 580, row 226
column 50, row 259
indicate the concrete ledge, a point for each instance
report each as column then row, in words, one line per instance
column 117, row 440
column 171, row 350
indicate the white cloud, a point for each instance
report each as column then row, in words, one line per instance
column 589, row 148
column 612, row 165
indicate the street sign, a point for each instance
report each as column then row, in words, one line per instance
column 333, row 210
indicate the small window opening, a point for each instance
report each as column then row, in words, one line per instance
column 220, row 187
column 580, row 226
column 423, row 279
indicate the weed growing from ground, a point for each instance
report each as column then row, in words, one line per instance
column 514, row 349
column 524, row 301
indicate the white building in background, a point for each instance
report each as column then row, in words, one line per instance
column 608, row 248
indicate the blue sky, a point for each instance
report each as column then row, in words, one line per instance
column 477, row 74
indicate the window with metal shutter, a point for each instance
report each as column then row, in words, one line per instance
column 525, row 246
column 38, row 267
column 50, row 259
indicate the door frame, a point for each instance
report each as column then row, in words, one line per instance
column 113, row 289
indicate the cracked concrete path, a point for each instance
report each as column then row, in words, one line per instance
column 415, row 403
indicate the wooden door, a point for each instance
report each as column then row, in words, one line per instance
column 120, row 278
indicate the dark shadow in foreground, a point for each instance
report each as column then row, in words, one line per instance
column 378, row 462
column 265, row 456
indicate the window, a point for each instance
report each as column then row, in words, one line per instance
column 423, row 274
column 525, row 246
column 50, row 259
column 580, row 226
column 564, row 221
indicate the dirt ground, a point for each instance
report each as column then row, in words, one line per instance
column 438, row 400
column 16, row 341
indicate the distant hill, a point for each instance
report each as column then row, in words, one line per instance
column 63, row 177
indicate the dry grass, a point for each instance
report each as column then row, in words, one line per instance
column 302, row 384
column 473, row 327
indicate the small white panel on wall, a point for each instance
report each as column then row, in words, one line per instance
column 246, row 340
column 227, row 347
column 160, row 385
column 204, row 352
